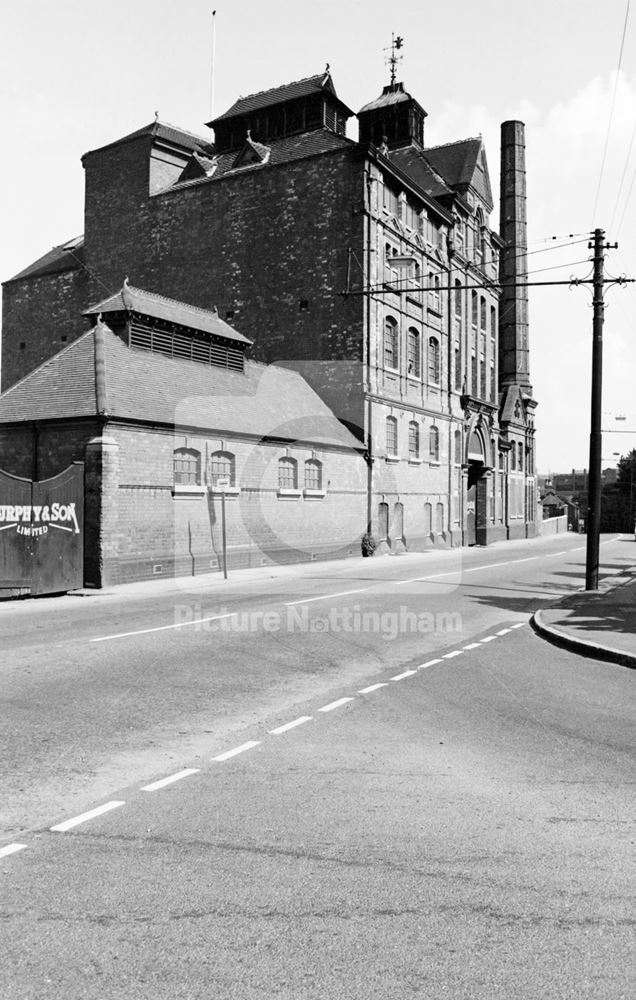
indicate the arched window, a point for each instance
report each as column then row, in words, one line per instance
column 186, row 466
column 222, row 466
column 482, row 312
column 458, row 447
column 493, row 323
column 520, row 456
column 433, row 444
column 287, row 473
column 474, row 308
column 313, row 474
column 383, row 520
column 391, row 436
column 391, row 346
column 439, row 518
column 428, row 518
column 397, row 527
column 414, row 439
column 414, row 366
column 513, row 458
column 479, row 233
column 433, row 360
column 457, row 300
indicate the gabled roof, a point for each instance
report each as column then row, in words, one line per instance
column 412, row 161
column 264, row 401
column 319, row 83
column 167, row 132
column 136, row 300
column 463, row 164
column 67, row 256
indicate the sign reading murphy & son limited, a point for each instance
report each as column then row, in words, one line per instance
column 41, row 533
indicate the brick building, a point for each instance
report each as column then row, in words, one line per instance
column 370, row 267
column 161, row 404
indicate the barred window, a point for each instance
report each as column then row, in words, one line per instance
column 433, row 360
column 414, row 439
column 287, row 474
column 313, row 474
column 391, row 352
column 391, row 436
column 413, row 353
column 433, row 444
column 222, row 466
column 186, row 465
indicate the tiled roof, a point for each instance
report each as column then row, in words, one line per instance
column 136, row 300
column 170, row 133
column 457, row 162
column 278, row 95
column 294, row 147
column 264, row 401
column 67, row 256
column 412, row 161
column 391, row 94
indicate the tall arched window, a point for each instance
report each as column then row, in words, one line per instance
column 313, row 474
column 439, row 518
column 428, row 518
column 391, row 346
column 414, row 364
column 414, row 439
column 222, row 466
column 457, row 301
column 433, row 444
column 287, row 473
column 433, row 360
column 474, row 308
column 520, row 456
column 186, row 466
column 391, row 436
column 458, row 447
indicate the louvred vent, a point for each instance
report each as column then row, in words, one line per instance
column 191, row 347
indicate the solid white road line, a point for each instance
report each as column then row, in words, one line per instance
column 163, row 628
column 325, row 597
column 472, row 645
column 233, row 753
column 449, row 656
column 407, row 673
column 372, row 687
column 429, row 663
column 91, row 814
column 169, row 781
column 11, row 849
column 291, row 725
column 334, row 704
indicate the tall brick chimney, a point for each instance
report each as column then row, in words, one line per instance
column 514, row 354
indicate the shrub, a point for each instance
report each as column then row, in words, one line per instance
column 368, row 544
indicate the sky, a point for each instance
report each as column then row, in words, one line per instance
column 76, row 74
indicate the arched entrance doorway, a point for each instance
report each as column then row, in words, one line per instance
column 477, row 491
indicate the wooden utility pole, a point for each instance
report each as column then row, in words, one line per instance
column 596, row 440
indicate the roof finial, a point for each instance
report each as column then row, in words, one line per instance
column 156, row 116
column 396, row 43
column 327, row 67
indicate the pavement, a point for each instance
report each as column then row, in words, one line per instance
column 600, row 624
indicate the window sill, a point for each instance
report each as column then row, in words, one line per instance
column 188, row 492
column 230, row 491
column 391, row 458
column 285, row 494
column 314, row 494
column 415, row 461
column 435, row 463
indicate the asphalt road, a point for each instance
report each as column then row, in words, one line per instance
column 379, row 807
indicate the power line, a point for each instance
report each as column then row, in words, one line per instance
column 611, row 114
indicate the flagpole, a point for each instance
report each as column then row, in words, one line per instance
column 212, row 65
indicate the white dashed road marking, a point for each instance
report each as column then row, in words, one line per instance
column 163, row 628
column 472, row 645
column 91, row 814
column 503, row 631
column 334, row 704
column 156, row 785
column 449, row 656
column 489, row 638
column 325, row 597
column 372, row 687
column 407, row 673
column 237, row 750
column 518, row 625
column 291, row 725
column 429, row 663
column 11, row 849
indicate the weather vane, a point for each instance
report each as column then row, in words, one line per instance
column 396, row 44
